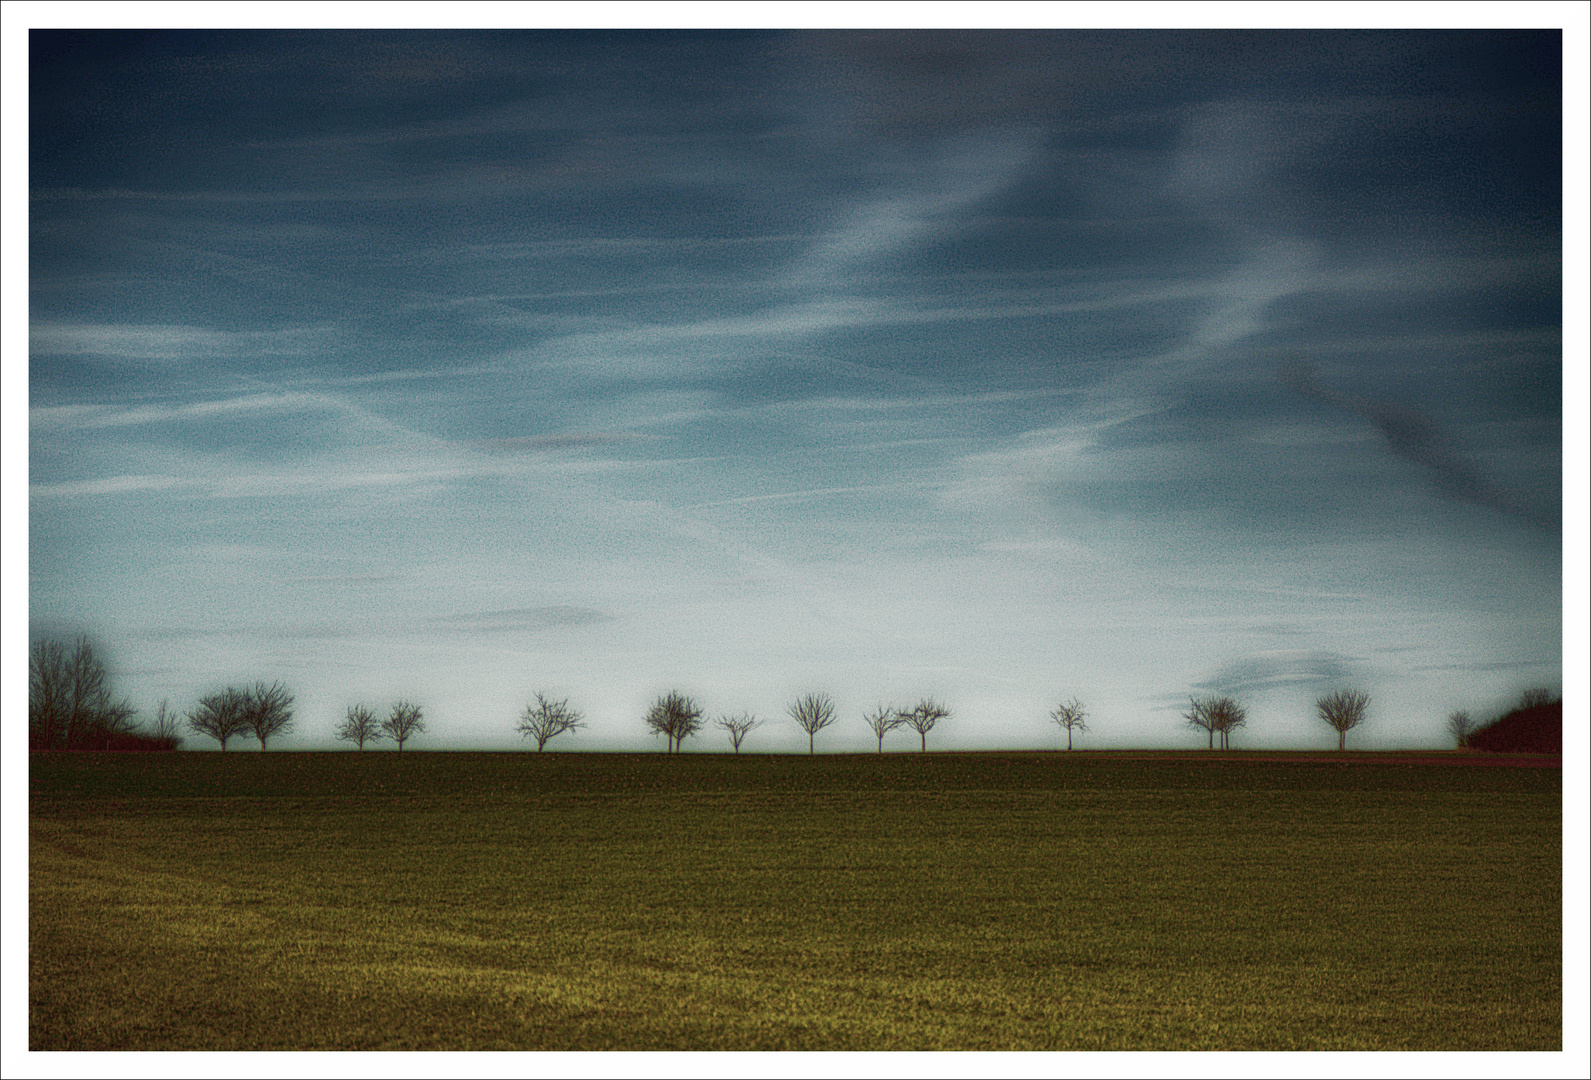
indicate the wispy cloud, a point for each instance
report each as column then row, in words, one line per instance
column 524, row 619
column 963, row 171
column 67, row 417
column 812, row 493
column 108, row 485
column 173, row 343
column 1279, row 668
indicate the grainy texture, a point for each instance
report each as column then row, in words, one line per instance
column 610, row 901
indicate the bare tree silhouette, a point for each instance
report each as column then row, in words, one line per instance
column 1229, row 716
column 882, row 721
column 548, row 719
column 165, row 726
column 360, row 726
column 219, row 716
column 675, row 716
column 1071, row 717
column 1216, row 715
column 405, row 722
column 738, row 726
column 69, row 698
column 1535, row 698
column 923, row 718
column 1344, row 710
column 1461, row 727
column 267, row 711
column 812, row 714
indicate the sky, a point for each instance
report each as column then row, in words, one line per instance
column 1000, row 367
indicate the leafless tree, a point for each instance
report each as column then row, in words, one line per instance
column 361, row 726
column 883, row 720
column 69, row 698
column 812, row 714
column 165, row 727
column 738, row 726
column 675, row 716
column 1228, row 716
column 1536, row 698
column 1216, row 715
column 923, row 718
column 547, row 719
column 267, row 711
column 219, row 716
column 1344, row 710
column 405, row 722
column 1461, row 727
column 1071, row 717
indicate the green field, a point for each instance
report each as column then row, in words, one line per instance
column 905, row 902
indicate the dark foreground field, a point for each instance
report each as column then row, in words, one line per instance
column 616, row 901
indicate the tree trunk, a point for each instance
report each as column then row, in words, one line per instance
column 1068, row 738
column 924, row 734
column 1342, row 737
column 811, row 743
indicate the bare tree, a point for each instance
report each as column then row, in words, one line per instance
column 361, row 726
column 675, row 716
column 164, row 730
column 547, row 719
column 1071, row 717
column 405, row 722
column 738, row 726
column 1536, row 698
column 219, row 716
column 923, row 718
column 812, row 714
column 1344, row 710
column 1461, row 727
column 658, row 718
column 883, row 720
column 267, row 711
column 1228, row 716
column 69, row 699
column 1214, row 715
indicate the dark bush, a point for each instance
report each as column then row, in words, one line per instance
column 1534, row 730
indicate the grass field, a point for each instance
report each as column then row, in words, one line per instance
column 922, row 902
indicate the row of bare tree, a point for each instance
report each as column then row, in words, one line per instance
column 70, row 706
column 362, row 725
column 258, row 710
column 1344, row 710
column 677, row 717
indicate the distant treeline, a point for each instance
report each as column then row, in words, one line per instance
column 71, row 707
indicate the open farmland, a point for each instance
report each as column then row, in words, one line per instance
column 909, row 901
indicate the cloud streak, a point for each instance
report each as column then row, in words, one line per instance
column 1316, row 669
column 1412, row 436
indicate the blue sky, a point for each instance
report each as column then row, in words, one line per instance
column 1002, row 367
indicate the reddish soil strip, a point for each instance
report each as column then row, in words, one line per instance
column 1516, row 761
column 1306, row 757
